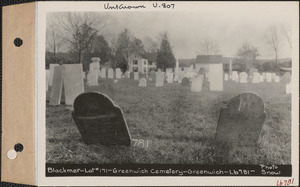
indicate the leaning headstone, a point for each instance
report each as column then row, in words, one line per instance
column 92, row 79
column 286, row 78
column 118, row 73
column 185, row 82
column 216, row 77
column 110, row 73
column 136, row 76
column 103, row 73
column 226, row 77
column 269, row 77
column 73, row 82
column 159, row 79
column 241, row 121
column 52, row 66
column 99, row 120
column 169, row 77
column 57, row 83
column 142, row 82
column 197, row 83
column 47, row 78
column 243, row 77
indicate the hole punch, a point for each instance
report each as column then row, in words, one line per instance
column 18, row 147
column 18, row 42
column 12, row 154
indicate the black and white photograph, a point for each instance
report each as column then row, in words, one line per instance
column 169, row 91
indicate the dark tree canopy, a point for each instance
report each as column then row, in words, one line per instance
column 165, row 56
column 100, row 49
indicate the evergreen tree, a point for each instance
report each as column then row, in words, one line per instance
column 165, row 56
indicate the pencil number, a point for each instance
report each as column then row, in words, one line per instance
column 285, row 182
column 141, row 143
column 164, row 5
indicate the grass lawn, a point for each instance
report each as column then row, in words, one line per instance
column 178, row 125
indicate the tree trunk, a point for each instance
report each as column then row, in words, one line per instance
column 276, row 62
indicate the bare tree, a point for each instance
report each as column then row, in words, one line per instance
column 248, row 54
column 209, row 47
column 287, row 33
column 54, row 43
column 272, row 39
column 80, row 30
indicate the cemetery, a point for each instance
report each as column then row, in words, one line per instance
column 190, row 116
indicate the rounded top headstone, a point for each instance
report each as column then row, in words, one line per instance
column 185, row 82
column 92, row 104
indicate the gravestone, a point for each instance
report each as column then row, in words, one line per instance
column 152, row 75
column 142, row 82
column 118, row 73
column 169, row 77
column 99, row 120
column 256, row 77
column 136, row 76
column 216, row 77
column 261, row 78
column 180, row 76
column 234, row 76
column 169, row 70
column 110, row 73
column 185, row 82
column 241, row 121
column 288, row 88
column 273, row 75
column 264, row 74
column 226, row 77
column 269, row 77
column 252, row 70
column 103, row 73
column 159, row 79
column 127, row 74
column 57, row 83
column 47, row 78
column 286, row 78
column 92, row 79
column 197, row 83
column 243, row 77
column 73, row 82
column 52, row 66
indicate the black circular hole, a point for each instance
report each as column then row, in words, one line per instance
column 18, row 42
column 19, row 147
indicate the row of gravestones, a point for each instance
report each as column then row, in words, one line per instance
column 68, row 77
column 256, row 77
column 100, row 121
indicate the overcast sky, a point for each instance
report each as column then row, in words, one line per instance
column 186, row 29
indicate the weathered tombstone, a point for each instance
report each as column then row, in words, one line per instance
column 169, row 70
column 241, row 121
column 136, row 76
column 288, row 88
column 216, row 77
column 110, row 73
column 180, row 76
column 234, row 76
column 169, row 77
column 73, row 82
column 118, row 73
column 92, row 79
column 252, row 70
column 286, row 78
column 243, row 77
column 99, row 120
column 160, row 78
column 57, row 83
column 269, row 77
column 277, row 79
column 127, row 74
column 185, row 82
column 142, row 82
column 52, row 66
column 256, row 77
column 103, row 73
column 47, row 78
column 226, row 77
column 197, row 83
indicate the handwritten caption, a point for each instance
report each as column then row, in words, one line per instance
column 122, row 6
